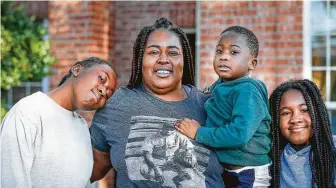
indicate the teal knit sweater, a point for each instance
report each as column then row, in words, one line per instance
column 238, row 122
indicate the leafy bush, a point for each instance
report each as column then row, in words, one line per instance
column 25, row 56
column 3, row 110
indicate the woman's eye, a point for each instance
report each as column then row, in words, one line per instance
column 173, row 53
column 304, row 110
column 218, row 51
column 153, row 52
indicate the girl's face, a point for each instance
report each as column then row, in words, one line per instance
column 295, row 121
column 162, row 67
column 93, row 86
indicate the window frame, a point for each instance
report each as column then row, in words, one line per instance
column 43, row 84
column 308, row 68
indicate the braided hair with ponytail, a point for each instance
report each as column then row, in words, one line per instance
column 139, row 49
column 86, row 63
column 322, row 155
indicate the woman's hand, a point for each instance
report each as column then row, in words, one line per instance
column 188, row 127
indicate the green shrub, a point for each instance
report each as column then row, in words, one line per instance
column 25, row 55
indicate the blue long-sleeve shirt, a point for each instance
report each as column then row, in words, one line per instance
column 238, row 122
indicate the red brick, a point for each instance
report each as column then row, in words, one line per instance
column 278, row 26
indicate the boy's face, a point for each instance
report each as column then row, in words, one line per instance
column 232, row 57
column 295, row 121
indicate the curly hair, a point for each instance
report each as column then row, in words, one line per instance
column 322, row 154
column 139, row 48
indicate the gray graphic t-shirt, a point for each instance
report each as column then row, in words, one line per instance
column 146, row 150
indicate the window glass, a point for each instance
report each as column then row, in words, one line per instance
column 319, row 78
column 333, row 86
column 319, row 50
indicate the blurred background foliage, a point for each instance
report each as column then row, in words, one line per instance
column 25, row 55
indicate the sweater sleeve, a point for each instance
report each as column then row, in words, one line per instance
column 17, row 136
column 247, row 115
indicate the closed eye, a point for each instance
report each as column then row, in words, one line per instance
column 101, row 79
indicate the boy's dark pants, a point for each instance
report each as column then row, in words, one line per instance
column 243, row 179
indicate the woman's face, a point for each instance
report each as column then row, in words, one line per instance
column 295, row 121
column 162, row 63
column 93, row 86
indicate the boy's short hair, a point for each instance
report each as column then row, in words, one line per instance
column 251, row 39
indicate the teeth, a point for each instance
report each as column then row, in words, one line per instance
column 223, row 68
column 163, row 72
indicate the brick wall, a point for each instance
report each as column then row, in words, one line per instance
column 278, row 26
column 108, row 29
column 132, row 16
column 39, row 9
column 77, row 30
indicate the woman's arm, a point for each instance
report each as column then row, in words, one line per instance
column 101, row 165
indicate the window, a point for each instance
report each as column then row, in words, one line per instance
column 13, row 95
column 322, row 58
column 191, row 38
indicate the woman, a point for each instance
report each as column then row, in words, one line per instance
column 136, row 128
column 44, row 142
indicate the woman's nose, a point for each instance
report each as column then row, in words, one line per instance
column 163, row 58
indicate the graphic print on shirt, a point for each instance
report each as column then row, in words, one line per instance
column 158, row 156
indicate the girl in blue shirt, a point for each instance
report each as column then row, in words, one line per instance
column 303, row 151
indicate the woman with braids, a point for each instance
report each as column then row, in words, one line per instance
column 303, row 150
column 134, row 133
column 44, row 142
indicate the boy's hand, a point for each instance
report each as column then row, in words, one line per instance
column 188, row 127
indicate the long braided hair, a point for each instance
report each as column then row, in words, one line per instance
column 322, row 155
column 86, row 63
column 139, row 48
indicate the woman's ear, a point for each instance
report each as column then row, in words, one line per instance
column 76, row 69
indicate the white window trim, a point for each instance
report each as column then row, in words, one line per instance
column 197, row 45
column 307, row 55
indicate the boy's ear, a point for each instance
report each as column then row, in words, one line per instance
column 76, row 69
column 253, row 64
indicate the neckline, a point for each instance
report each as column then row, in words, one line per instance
column 292, row 151
column 148, row 94
column 56, row 105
